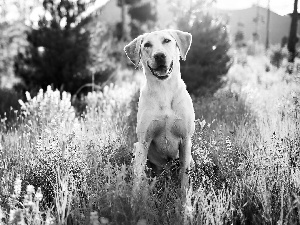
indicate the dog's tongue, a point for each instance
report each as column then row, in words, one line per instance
column 160, row 73
column 161, row 69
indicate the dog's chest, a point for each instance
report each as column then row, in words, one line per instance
column 167, row 122
column 163, row 115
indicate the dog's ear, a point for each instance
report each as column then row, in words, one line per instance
column 133, row 50
column 184, row 41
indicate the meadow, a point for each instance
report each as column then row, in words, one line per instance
column 59, row 166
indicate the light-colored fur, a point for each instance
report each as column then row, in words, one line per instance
column 165, row 119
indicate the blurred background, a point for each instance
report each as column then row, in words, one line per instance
column 77, row 45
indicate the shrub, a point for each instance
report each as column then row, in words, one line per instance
column 208, row 58
column 115, row 109
column 48, row 121
column 255, row 48
column 239, row 39
column 51, row 106
column 28, row 209
column 277, row 55
column 8, row 105
column 58, row 49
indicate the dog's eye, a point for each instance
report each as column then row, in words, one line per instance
column 147, row 45
column 166, row 40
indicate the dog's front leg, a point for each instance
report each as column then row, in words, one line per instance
column 140, row 158
column 185, row 161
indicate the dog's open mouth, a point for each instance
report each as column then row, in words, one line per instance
column 161, row 72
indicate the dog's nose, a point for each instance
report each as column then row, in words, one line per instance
column 160, row 58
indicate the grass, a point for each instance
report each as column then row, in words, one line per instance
column 60, row 168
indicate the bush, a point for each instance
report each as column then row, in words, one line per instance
column 116, row 109
column 51, row 106
column 46, row 121
column 208, row 58
column 8, row 105
column 277, row 55
column 56, row 54
column 254, row 48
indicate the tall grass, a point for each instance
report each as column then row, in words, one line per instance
column 245, row 148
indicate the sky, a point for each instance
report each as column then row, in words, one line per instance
column 281, row 7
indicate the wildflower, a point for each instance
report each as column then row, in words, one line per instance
column 28, row 199
column 1, row 215
column 104, row 220
column 49, row 219
column 202, row 123
column 30, row 189
column 11, row 215
column 142, row 222
column 38, row 195
column 94, row 218
column 17, row 186
column 28, row 97
column 21, row 221
column 228, row 143
column 16, row 217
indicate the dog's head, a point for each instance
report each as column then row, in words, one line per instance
column 159, row 50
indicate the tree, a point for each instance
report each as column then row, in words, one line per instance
column 142, row 18
column 239, row 38
column 12, row 35
column 58, row 50
column 121, row 31
column 268, row 27
column 293, row 34
column 22, row 10
column 284, row 41
column 208, row 57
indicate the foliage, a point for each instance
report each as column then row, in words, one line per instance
column 245, row 148
column 284, row 41
column 142, row 13
column 112, row 106
column 30, row 206
column 143, row 17
column 128, row 2
column 239, row 36
column 48, row 106
column 239, row 39
column 12, row 40
column 277, row 55
column 293, row 39
column 58, row 51
column 103, row 50
column 9, row 104
column 208, row 58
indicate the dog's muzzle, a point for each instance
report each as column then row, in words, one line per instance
column 162, row 72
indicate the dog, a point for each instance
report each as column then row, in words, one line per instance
column 166, row 117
